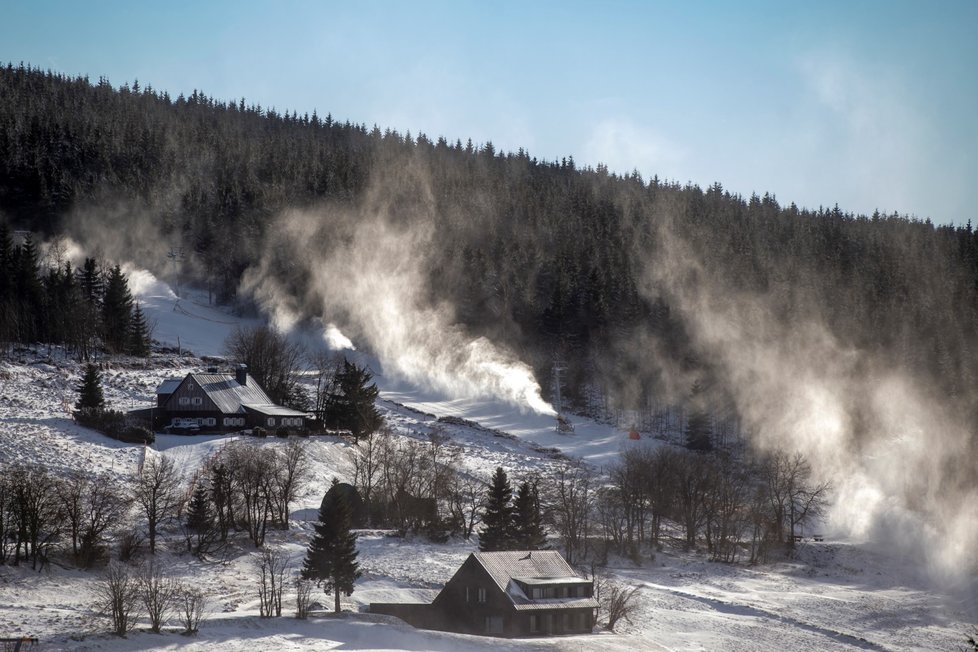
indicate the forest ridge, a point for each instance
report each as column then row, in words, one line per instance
column 542, row 256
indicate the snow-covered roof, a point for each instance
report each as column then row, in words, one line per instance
column 521, row 602
column 169, row 386
column 275, row 411
column 228, row 394
column 523, row 564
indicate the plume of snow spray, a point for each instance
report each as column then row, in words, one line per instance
column 895, row 456
column 373, row 276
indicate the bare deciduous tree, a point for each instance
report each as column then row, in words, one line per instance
column 104, row 507
column 158, row 494
column 571, row 497
column 466, row 495
column 272, row 565
column 725, row 509
column 117, row 597
column 616, row 602
column 272, row 360
column 158, row 592
column 303, row 596
column 692, row 478
column 253, row 472
column 7, row 515
column 70, row 491
column 291, row 468
column 35, row 512
column 366, row 466
column 326, row 365
column 793, row 497
column 191, row 606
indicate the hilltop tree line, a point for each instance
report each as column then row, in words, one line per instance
column 85, row 310
column 544, row 256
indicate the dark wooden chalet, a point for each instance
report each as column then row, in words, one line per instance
column 216, row 402
column 516, row 593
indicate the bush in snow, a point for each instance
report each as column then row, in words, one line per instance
column 117, row 597
column 191, row 606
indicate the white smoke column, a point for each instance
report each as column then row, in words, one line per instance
column 336, row 340
column 373, row 276
column 895, row 459
column 377, row 279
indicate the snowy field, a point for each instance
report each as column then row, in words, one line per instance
column 835, row 595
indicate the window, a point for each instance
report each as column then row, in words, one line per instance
column 184, row 400
column 494, row 624
column 211, row 421
column 198, row 400
column 482, row 595
column 534, row 623
column 270, row 421
column 467, row 596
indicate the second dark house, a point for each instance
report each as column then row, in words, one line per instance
column 514, row 593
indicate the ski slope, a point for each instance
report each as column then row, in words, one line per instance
column 835, row 595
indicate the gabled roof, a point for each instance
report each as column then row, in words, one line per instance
column 169, row 386
column 230, row 396
column 531, row 567
column 522, row 564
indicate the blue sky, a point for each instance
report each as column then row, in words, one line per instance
column 868, row 104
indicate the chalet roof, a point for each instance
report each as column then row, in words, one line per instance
column 230, row 396
column 523, row 564
column 539, row 567
column 275, row 411
column 169, row 386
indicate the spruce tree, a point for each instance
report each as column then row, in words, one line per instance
column 200, row 526
column 351, row 407
column 699, row 429
column 497, row 531
column 527, row 520
column 90, row 395
column 331, row 560
column 138, row 333
column 699, row 432
column 29, row 291
column 116, row 311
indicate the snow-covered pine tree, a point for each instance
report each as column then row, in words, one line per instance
column 527, row 520
column 90, row 395
column 497, row 531
column 116, row 311
column 331, row 560
column 138, row 344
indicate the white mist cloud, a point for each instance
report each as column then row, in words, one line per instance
column 378, row 280
column 336, row 340
column 372, row 279
column 894, row 454
column 624, row 145
column 864, row 134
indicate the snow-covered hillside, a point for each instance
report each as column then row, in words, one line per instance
column 835, row 595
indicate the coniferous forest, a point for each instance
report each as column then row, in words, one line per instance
column 552, row 260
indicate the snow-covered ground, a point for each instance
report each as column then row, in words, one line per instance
column 835, row 595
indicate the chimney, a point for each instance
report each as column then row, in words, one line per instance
column 241, row 374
